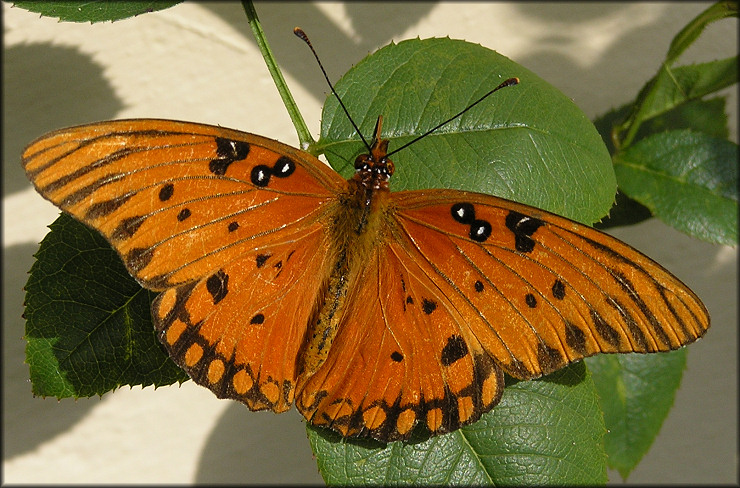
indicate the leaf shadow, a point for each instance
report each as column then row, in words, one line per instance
column 28, row 421
column 371, row 27
column 246, row 447
column 30, row 73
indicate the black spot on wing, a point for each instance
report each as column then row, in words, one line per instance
column 428, row 306
column 261, row 174
column 464, row 213
column 558, row 290
column 127, row 228
column 549, row 359
column 262, row 259
column 166, row 192
column 228, row 152
column 184, row 214
column 523, row 228
column 284, row 167
column 575, row 338
column 138, row 257
column 606, row 331
column 629, row 320
column 101, row 209
column 218, row 286
column 454, row 350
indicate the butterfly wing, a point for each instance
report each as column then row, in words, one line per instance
column 231, row 225
column 471, row 285
column 178, row 199
column 540, row 291
column 402, row 356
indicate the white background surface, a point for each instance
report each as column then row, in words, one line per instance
column 199, row 62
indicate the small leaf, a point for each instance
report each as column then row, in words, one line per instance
column 636, row 392
column 687, row 179
column 527, row 142
column 543, row 432
column 706, row 116
column 88, row 324
column 693, row 29
column 94, row 10
column 674, row 86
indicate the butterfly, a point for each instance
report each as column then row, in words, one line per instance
column 281, row 283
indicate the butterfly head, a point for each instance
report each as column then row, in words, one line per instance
column 374, row 170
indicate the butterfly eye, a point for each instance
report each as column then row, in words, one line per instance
column 361, row 162
column 390, row 168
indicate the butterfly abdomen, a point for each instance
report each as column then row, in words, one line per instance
column 359, row 223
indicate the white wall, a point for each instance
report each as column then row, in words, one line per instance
column 199, row 62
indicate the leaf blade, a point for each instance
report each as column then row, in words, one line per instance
column 687, row 179
column 88, row 331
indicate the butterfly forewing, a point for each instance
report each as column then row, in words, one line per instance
column 233, row 226
column 540, row 291
column 178, row 199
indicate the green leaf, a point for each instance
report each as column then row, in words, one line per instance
column 687, row 179
column 706, row 116
column 88, row 324
column 543, row 432
column 675, row 86
column 693, row 29
column 527, row 142
column 636, row 392
column 94, row 10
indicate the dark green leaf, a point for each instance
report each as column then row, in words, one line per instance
column 674, row 86
column 94, row 10
column 527, row 142
column 88, row 324
column 636, row 392
column 543, row 432
column 687, row 179
column 706, row 116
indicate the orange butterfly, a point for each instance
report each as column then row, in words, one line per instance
column 372, row 311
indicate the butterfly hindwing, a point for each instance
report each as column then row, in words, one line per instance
column 402, row 356
column 239, row 331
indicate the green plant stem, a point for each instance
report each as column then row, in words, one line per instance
column 624, row 134
column 304, row 135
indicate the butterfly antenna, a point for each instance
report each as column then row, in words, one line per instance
column 509, row 82
column 302, row 35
